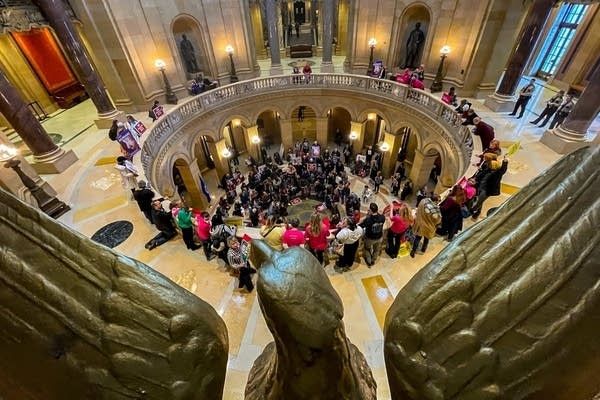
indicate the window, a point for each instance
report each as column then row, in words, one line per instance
column 561, row 36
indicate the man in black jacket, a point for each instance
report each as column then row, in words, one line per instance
column 163, row 220
column 143, row 196
column 373, row 226
column 489, row 185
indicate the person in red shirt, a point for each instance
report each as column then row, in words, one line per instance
column 395, row 232
column 316, row 234
column 203, row 229
column 293, row 237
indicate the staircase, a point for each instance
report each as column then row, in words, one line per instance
column 304, row 129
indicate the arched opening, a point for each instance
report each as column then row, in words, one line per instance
column 304, row 123
column 412, row 37
column 338, row 125
column 202, row 154
column 187, row 184
column 269, row 130
column 374, row 129
column 190, row 46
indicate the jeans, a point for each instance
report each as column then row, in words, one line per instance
column 393, row 243
column 415, row 244
column 522, row 103
column 318, row 254
column 371, row 250
column 347, row 259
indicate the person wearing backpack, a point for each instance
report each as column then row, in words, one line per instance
column 373, row 227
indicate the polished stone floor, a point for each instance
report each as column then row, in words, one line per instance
column 92, row 188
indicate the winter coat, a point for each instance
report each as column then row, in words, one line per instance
column 428, row 217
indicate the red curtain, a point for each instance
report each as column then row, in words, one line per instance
column 46, row 58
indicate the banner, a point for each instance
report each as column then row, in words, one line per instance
column 128, row 142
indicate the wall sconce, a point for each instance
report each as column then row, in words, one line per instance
column 171, row 97
column 353, row 135
column 371, row 116
column 256, row 141
column 229, row 51
column 436, row 86
column 236, row 122
column 372, row 44
column 50, row 205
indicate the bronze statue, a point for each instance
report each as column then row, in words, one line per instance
column 311, row 357
column 511, row 309
column 80, row 321
column 189, row 55
column 415, row 41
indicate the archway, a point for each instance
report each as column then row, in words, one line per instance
column 187, row 183
column 304, row 123
column 374, row 129
column 338, row 125
column 190, row 46
column 408, row 23
column 269, row 129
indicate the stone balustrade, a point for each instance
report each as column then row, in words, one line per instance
column 359, row 86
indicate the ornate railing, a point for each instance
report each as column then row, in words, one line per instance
column 219, row 98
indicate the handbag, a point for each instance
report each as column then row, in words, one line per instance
column 338, row 248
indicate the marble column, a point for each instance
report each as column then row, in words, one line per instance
column 276, row 68
column 359, row 129
column 287, row 137
column 56, row 13
column 253, row 149
column 48, row 157
column 421, row 168
column 322, row 134
column 191, row 175
column 327, row 15
column 391, row 156
column 216, row 150
column 571, row 134
column 502, row 99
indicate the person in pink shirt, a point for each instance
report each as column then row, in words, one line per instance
column 293, row 237
column 316, row 234
column 396, row 231
column 203, row 229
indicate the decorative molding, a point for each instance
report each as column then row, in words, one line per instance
column 23, row 15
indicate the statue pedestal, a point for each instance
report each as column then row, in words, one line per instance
column 54, row 162
column 276, row 69
column 327, row 67
column 104, row 120
column 563, row 141
column 500, row 103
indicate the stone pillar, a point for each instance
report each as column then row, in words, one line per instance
column 56, row 13
column 322, row 125
column 502, row 99
column 390, row 157
column 216, row 150
column 359, row 128
column 421, row 168
column 190, row 174
column 571, row 134
column 276, row 68
column 287, row 137
column 327, row 15
column 253, row 149
column 48, row 157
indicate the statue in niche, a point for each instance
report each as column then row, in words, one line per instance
column 413, row 46
column 311, row 357
column 510, row 309
column 188, row 54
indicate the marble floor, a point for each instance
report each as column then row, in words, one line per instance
column 92, row 188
